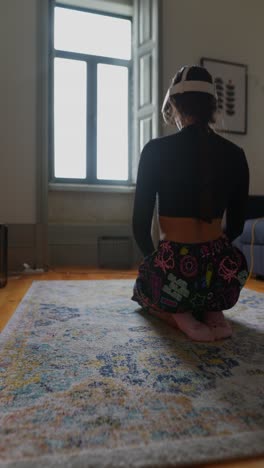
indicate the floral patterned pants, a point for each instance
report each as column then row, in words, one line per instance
column 196, row 277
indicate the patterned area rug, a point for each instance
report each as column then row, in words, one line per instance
column 89, row 380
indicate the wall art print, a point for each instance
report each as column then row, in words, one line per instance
column 230, row 81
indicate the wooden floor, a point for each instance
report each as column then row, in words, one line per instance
column 17, row 286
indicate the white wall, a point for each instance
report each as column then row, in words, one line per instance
column 229, row 30
column 18, row 111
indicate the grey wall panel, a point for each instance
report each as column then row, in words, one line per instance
column 145, row 21
column 102, row 245
column 145, row 131
column 21, row 235
column 145, row 70
column 18, row 111
column 74, row 255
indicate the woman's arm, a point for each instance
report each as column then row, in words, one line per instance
column 145, row 198
column 236, row 209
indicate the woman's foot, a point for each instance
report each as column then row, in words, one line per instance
column 185, row 321
column 218, row 324
column 194, row 329
column 165, row 316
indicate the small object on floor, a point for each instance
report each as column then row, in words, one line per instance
column 32, row 271
column 218, row 324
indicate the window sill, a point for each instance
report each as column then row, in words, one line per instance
column 91, row 188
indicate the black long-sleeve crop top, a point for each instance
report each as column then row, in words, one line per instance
column 170, row 168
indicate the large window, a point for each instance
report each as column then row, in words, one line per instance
column 92, row 88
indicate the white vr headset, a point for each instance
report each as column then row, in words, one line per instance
column 188, row 85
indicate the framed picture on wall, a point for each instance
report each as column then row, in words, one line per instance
column 230, row 81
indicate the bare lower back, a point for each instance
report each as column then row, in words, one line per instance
column 189, row 230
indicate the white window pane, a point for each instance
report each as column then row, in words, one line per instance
column 90, row 33
column 112, row 122
column 70, row 118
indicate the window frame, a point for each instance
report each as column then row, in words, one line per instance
column 91, row 117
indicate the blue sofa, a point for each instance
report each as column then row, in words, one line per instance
column 255, row 210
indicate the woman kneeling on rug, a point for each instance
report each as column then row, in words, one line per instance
column 195, row 273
